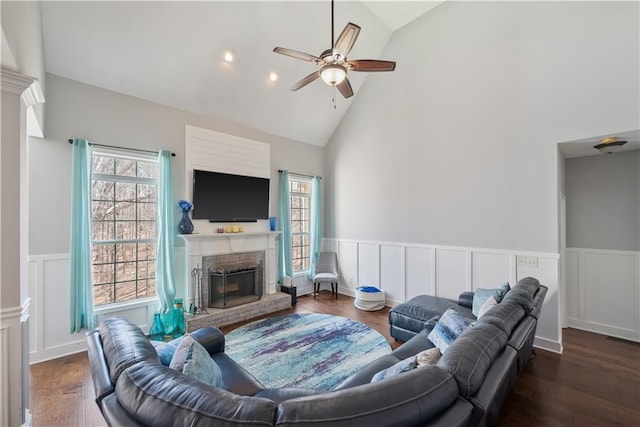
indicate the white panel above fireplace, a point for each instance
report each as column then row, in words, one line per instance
column 220, row 152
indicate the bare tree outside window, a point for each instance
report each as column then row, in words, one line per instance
column 300, row 190
column 124, row 206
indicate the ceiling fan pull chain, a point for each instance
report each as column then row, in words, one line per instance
column 333, row 96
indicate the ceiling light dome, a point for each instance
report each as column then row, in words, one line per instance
column 333, row 74
column 610, row 144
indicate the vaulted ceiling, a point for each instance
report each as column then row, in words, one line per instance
column 172, row 53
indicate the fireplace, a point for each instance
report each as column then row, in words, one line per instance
column 231, row 287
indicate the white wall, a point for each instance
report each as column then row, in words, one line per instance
column 603, row 201
column 459, row 145
column 76, row 110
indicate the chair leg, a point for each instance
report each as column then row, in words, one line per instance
column 315, row 290
column 336, row 291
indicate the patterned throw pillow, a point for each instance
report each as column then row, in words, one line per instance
column 402, row 366
column 200, row 366
column 490, row 302
column 428, row 357
column 450, row 326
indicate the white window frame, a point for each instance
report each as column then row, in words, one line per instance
column 127, row 155
column 305, row 179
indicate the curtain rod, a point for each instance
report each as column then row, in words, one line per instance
column 300, row 174
column 122, row 148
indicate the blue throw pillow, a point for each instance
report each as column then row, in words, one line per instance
column 481, row 295
column 200, row 366
column 450, row 326
column 165, row 350
column 402, row 366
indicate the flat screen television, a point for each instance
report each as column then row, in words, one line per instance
column 223, row 197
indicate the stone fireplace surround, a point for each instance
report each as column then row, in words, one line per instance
column 202, row 250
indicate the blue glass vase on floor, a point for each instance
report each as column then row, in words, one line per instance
column 178, row 317
column 156, row 333
column 185, row 226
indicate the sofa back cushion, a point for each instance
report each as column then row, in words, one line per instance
column 505, row 316
column 529, row 284
column 412, row 398
column 470, row 356
column 158, row 396
column 124, row 344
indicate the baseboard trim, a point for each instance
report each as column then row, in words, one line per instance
column 57, row 351
column 548, row 345
column 603, row 329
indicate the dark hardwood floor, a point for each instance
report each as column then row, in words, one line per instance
column 596, row 382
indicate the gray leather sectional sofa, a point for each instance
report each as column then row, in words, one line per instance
column 465, row 387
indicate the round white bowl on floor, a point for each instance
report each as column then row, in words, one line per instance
column 369, row 301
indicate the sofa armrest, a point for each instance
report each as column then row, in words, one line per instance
column 466, row 299
column 210, row 338
column 102, row 385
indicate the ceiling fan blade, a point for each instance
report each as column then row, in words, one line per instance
column 297, row 55
column 345, row 88
column 346, row 39
column 305, row 80
column 371, row 65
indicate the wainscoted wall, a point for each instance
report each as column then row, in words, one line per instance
column 404, row 270
column 603, row 291
column 49, row 335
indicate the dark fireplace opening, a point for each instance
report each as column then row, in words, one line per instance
column 231, row 287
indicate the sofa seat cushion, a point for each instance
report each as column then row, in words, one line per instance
column 413, row 398
column 471, row 355
column 364, row 374
column 124, row 345
column 160, row 396
column 398, row 368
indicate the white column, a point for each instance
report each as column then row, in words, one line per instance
column 14, row 299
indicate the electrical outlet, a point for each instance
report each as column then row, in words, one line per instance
column 528, row 261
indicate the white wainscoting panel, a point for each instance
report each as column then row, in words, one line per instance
column 487, row 269
column 603, row 291
column 368, row 264
column 419, row 271
column 392, row 273
column 49, row 324
column 453, row 273
column 406, row 270
column 348, row 265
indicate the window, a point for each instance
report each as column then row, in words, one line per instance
column 300, row 189
column 124, row 232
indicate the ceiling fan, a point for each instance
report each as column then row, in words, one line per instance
column 333, row 62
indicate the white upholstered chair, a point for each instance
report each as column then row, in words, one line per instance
column 326, row 272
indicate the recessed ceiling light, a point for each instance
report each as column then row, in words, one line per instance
column 273, row 76
column 228, row 55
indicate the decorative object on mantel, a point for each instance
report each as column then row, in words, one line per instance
column 185, row 226
column 234, row 228
column 610, row 144
column 272, row 223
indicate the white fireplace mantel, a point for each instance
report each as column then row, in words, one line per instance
column 200, row 245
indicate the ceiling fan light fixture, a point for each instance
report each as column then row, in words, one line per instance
column 610, row 144
column 333, row 74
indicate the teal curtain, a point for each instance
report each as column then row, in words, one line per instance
column 315, row 224
column 81, row 279
column 165, row 270
column 285, row 263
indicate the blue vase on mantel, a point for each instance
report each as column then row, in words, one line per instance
column 185, row 226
